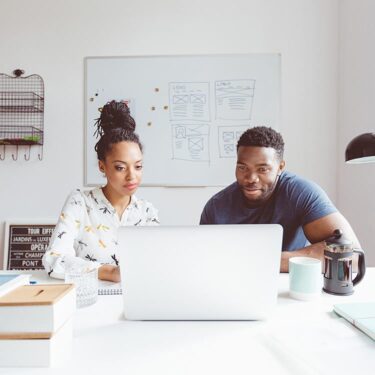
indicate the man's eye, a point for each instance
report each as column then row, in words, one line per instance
column 139, row 167
column 241, row 167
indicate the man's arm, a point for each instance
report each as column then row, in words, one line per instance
column 311, row 251
column 206, row 215
column 316, row 232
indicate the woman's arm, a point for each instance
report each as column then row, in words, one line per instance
column 61, row 254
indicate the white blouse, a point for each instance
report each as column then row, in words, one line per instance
column 86, row 232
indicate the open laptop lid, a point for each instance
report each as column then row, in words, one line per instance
column 208, row 272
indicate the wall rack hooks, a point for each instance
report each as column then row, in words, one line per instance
column 21, row 114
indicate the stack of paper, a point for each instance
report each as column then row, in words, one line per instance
column 36, row 325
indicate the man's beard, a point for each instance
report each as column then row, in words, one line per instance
column 257, row 202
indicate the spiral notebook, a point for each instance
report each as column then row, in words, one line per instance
column 108, row 288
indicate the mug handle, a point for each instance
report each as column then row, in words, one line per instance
column 361, row 266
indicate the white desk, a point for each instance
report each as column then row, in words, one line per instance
column 301, row 338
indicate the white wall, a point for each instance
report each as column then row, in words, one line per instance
column 356, row 183
column 51, row 38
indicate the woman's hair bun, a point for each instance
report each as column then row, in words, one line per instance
column 114, row 115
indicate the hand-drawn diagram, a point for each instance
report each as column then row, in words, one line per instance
column 189, row 101
column 228, row 137
column 190, row 142
column 234, row 99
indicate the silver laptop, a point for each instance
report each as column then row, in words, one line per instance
column 207, row 272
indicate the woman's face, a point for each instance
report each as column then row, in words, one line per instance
column 123, row 168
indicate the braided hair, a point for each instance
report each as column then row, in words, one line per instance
column 114, row 125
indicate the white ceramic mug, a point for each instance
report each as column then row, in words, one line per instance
column 305, row 278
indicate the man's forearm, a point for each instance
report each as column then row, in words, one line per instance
column 312, row 251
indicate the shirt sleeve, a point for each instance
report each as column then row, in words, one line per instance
column 312, row 202
column 206, row 214
column 61, row 253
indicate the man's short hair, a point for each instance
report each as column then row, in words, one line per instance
column 261, row 136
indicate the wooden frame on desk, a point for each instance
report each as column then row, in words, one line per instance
column 36, row 237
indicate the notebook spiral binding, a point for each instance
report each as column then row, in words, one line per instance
column 109, row 291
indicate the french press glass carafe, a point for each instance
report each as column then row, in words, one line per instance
column 338, row 256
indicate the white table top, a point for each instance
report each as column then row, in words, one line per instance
column 300, row 338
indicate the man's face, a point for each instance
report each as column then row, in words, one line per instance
column 257, row 173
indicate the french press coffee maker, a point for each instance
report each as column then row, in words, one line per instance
column 338, row 255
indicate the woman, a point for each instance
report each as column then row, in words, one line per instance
column 86, row 233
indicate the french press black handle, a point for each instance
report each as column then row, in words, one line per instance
column 361, row 266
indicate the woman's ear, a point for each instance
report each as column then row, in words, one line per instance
column 101, row 166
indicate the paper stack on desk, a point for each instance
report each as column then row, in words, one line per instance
column 36, row 325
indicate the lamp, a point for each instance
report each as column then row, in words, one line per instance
column 361, row 149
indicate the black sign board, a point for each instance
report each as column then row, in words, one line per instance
column 26, row 245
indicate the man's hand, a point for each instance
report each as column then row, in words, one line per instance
column 313, row 251
column 109, row 272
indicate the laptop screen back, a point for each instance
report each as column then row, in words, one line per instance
column 208, row 272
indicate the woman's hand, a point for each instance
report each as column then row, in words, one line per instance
column 109, row 272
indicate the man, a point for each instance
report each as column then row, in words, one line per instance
column 265, row 193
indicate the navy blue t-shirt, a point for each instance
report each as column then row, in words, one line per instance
column 294, row 203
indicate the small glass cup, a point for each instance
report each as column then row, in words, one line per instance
column 86, row 284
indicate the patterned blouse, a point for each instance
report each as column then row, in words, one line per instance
column 86, row 232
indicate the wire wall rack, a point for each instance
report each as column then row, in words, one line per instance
column 21, row 114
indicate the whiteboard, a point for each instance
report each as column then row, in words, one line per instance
column 189, row 111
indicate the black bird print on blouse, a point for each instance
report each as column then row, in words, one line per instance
column 75, row 202
column 105, row 210
column 91, row 258
column 61, row 234
column 94, row 198
column 113, row 256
